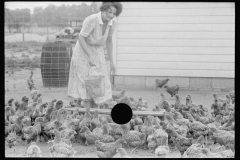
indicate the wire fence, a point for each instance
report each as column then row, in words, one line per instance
column 44, row 38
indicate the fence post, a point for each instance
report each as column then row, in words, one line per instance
column 23, row 37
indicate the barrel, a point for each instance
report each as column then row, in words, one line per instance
column 55, row 64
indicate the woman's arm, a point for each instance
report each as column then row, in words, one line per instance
column 83, row 44
column 109, row 46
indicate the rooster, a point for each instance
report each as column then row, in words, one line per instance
column 161, row 83
column 172, row 90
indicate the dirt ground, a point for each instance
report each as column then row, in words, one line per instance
column 16, row 87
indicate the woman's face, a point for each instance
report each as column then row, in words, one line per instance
column 109, row 14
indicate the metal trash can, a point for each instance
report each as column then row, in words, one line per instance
column 55, row 64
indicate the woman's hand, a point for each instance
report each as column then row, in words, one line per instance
column 112, row 68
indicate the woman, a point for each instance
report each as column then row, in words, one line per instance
column 97, row 31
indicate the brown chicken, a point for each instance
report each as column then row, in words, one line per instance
column 173, row 90
column 59, row 105
column 181, row 142
column 32, row 133
column 177, row 104
column 160, row 83
column 50, row 107
column 133, row 138
column 12, row 139
column 34, row 150
column 222, row 137
column 95, row 121
column 123, row 153
column 105, row 137
column 108, row 150
column 91, row 137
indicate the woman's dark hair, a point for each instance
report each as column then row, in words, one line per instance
column 106, row 5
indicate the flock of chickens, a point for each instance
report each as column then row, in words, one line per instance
column 186, row 127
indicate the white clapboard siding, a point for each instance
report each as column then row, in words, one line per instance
column 177, row 73
column 183, row 5
column 176, row 58
column 179, row 12
column 175, row 42
column 178, row 19
column 177, row 27
column 189, row 39
column 176, row 35
column 176, row 65
column 175, row 50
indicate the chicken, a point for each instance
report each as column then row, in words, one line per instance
column 188, row 104
column 61, row 149
column 76, row 102
column 32, row 133
column 133, row 138
column 49, row 109
column 59, row 105
column 222, row 154
column 95, row 121
column 217, row 122
column 160, row 83
column 177, row 104
column 229, row 124
column 12, row 139
column 118, row 96
column 204, row 120
column 98, row 129
column 196, row 128
column 160, row 103
column 221, row 101
column 91, row 137
column 108, row 150
column 222, row 137
column 147, row 127
column 152, row 142
column 17, row 126
column 7, row 127
column 10, row 101
column 194, row 151
column 123, row 153
column 166, row 106
column 17, row 105
column 30, row 82
column 67, row 135
column 34, row 150
column 42, row 106
column 109, row 104
column 8, row 112
column 162, row 151
column 36, row 114
column 227, row 153
column 38, row 99
column 181, row 142
column 180, row 129
column 105, row 137
column 54, row 123
column 87, row 119
column 172, row 90
column 75, row 113
column 23, row 106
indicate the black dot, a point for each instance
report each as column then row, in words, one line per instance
column 121, row 113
